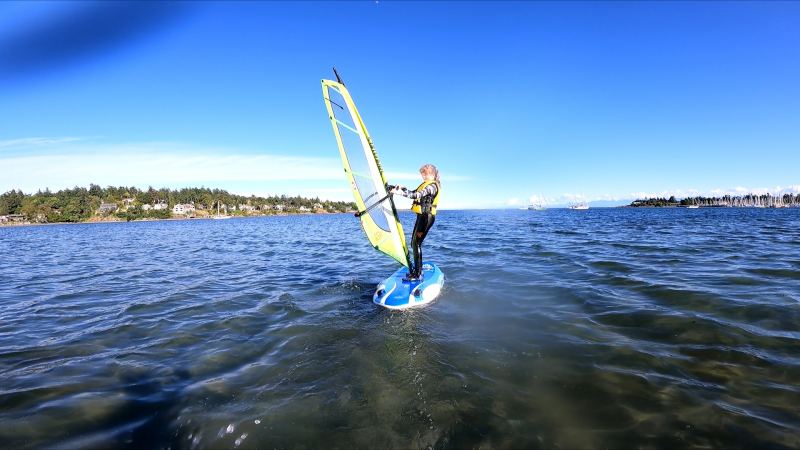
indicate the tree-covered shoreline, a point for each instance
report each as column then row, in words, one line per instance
column 96, row 203
column 739, row 201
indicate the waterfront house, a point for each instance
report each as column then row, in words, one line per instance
column 183, row 208
column 106, row 208
column 127, row 203
column 156, row 207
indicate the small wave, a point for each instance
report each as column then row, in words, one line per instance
column 775, row 272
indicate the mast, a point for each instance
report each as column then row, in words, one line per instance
column 338, row 78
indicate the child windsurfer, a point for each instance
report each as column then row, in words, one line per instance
column 426, row 198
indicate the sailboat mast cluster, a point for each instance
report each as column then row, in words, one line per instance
column 730, row 201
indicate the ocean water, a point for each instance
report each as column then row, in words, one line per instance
column 606, row 328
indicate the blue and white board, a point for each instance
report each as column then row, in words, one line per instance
column 396, row 292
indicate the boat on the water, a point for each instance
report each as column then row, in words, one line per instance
column 581, row 205
column 219, row 216
column 537, row 203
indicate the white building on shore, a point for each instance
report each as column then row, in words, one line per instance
column 183, row 208
column 106, row 208
column 160, row 206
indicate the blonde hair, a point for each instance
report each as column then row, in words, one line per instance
column 430, row 168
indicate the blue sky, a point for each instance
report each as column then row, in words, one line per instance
column 564, row 100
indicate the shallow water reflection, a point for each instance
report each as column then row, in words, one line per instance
column 607, row 328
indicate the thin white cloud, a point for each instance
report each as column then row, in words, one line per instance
column 65, row 162
column 402, row 176
column 536, row 199
column 24, row 143
column 146, row 168
column 574, row 197
column 608, row 198
column 347, row 191
column 335, row 194
column 411, row 176
column 457, row 178
column 59, row 162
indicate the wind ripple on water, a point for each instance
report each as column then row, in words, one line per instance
column 574, row 329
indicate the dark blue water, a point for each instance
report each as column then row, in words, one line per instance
column 607, row 328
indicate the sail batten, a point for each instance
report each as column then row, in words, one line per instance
column 367, row 181
column 346, row 126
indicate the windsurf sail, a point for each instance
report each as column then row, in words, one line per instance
column 376, row 208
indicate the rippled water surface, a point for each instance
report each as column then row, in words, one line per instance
column 606, row 328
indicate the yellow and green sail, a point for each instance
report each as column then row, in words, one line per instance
column 363, row 170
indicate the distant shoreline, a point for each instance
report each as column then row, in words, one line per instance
column 150, row 219
column 707, row 206
column 726, row 201
column 131, row 204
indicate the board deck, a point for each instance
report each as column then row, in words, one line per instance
column 396, row 292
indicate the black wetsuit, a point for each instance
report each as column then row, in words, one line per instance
column 421, row 227
column 423, row 224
